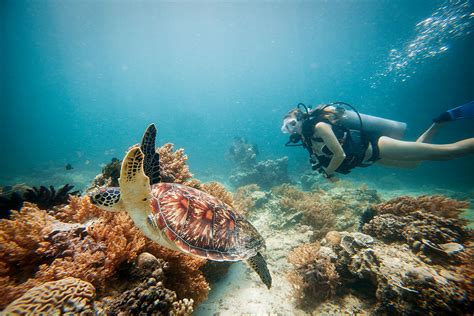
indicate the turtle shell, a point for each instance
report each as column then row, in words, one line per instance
column 202, row 225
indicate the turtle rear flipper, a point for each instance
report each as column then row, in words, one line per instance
column 151, row 163
column 259, row 264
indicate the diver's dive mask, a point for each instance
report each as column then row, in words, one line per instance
column 291, row 126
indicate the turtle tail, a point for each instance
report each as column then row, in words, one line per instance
column 259, row 264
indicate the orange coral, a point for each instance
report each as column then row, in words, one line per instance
column 79, row 210
column 218, row 191
column 173, row 166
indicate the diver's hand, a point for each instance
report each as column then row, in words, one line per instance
column 330, row 176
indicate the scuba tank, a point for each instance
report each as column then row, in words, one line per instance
column 373, row 125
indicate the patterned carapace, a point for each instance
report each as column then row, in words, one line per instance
column 197, row 222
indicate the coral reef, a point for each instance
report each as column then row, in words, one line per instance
column 266, row 174
column 430, row 225
column 337, row 208
column 308, row 205
column 149, row 296
column 437, row 205
column 66, row 296
column 436, row 277
column 314, row 277
column 218, row 190
column 243, row 154
column 109, row 175
column 248, row 198
column 84, row 242
column 46, row 198
column 173, row 167
column 12, row 198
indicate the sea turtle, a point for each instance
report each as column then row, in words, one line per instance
column 179, row 217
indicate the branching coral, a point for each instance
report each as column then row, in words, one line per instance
column 245, row 199
column 66, row 296
column 314, row 277
column 173, row 166
column 437, row 205
column 218, row 191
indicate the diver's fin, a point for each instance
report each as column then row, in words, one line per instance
column 461, row 112
column 151, row 164
column 259, row 264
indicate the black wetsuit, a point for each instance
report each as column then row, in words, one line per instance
column 353, row 142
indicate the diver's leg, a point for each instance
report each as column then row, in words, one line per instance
column 392, row 149
column 428, row 135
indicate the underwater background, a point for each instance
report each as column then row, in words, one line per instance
column 81, row 80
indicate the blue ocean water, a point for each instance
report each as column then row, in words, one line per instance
column 81, row 80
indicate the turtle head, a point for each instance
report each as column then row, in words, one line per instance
column 106, row 198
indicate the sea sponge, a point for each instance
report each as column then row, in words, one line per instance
column 314, row 277
column 66, row 296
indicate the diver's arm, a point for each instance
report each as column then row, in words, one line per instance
column 324, row 130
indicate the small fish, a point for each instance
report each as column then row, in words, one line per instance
column 69, row 167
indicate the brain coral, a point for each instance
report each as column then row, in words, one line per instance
column 69, row 295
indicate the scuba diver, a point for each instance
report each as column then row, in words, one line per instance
column 340, row 139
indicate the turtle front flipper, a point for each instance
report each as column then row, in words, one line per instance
column 151, row 163
column 107, row 199
column 259, row 264
column 134, row 184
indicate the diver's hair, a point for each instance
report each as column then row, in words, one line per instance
column 329, row 113
column 292, row 113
